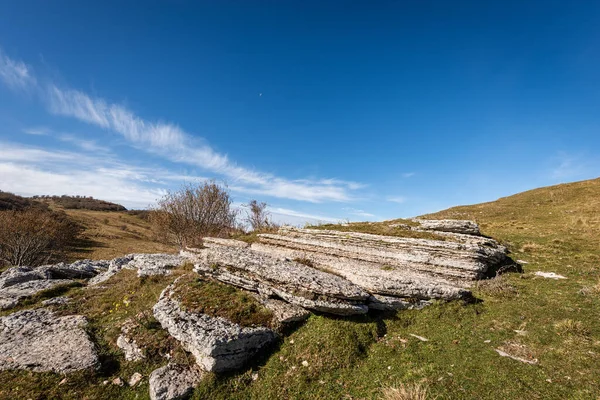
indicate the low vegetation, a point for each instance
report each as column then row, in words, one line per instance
column 398, row 228
column 219, row 300
column 34, row 236
column 183, row 217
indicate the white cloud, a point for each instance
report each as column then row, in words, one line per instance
column 88, row 145
column 299, row 216
column 408, row 174
column 15, row 74
column 30, row 180
column 40, row 131
column 397, row 199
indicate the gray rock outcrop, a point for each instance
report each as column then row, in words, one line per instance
column 145, row 264
column 37, row 340
column 291, row 281
column 10, row 296
column 217, row 344
column 174, row 381
column 220, row 242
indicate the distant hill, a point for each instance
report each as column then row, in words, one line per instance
column 80, row 203
column 10, row 201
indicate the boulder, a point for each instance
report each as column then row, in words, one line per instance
column 217, row 344
column 283, row 313
column 288, row 280
column 40, row 341
column 174, row 381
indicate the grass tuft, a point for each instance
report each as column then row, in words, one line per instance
column 406, row 392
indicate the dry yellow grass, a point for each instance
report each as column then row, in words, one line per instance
column 406, row 392
column 112, row 234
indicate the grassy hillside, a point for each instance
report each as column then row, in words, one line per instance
column 551, row 323
column 110, row 234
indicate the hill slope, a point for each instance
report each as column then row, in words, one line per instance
column 553, row 324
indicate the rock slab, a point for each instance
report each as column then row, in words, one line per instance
column 39, row 341
column 217, row 344
column 291, row 281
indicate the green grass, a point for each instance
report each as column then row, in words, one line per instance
column 219, row 300
column 554, row 229
column 382, row 228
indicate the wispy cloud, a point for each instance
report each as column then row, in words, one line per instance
column 15, row 74
column 568, row 166
column 302, row 217
column 396, row 199
column 169, row 141
column 408, row 174
column 40, row 131
column 88, row 145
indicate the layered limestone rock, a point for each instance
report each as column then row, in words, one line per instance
column 217, row 344
column 174, row 381
column 398, row 272
column 220, row 242
column 467, row 257
column 291, row 281
column 448, row 225
column 37, row 340
column 127, row 343
column 283, row 313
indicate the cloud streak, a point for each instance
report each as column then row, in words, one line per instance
column 15, row 74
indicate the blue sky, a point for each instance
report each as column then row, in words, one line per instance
column 326, row 110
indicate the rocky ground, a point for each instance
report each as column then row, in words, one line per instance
column 240, row 297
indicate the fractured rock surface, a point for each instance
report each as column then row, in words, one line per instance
column 289, row 280
column 11, row 296
column 145, row 264
column 37, row 340
column 174, row 381
column 216, row 343
column 413, row 270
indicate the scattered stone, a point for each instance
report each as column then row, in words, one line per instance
column 289, row 280
column 126, row 343
column 135, row 379
column 549, row 275
column 130, row 348
column 522, row 262
column 174, row 381
column 118, row 381
column 217, row 344
column 39, row 341
column 56, row 301
column 421, row 338
column 305, row 363
column 521, row 359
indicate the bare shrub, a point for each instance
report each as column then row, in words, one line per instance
column 34, row 237
column 185, row 216
column 406, row 392
column 257, row 216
